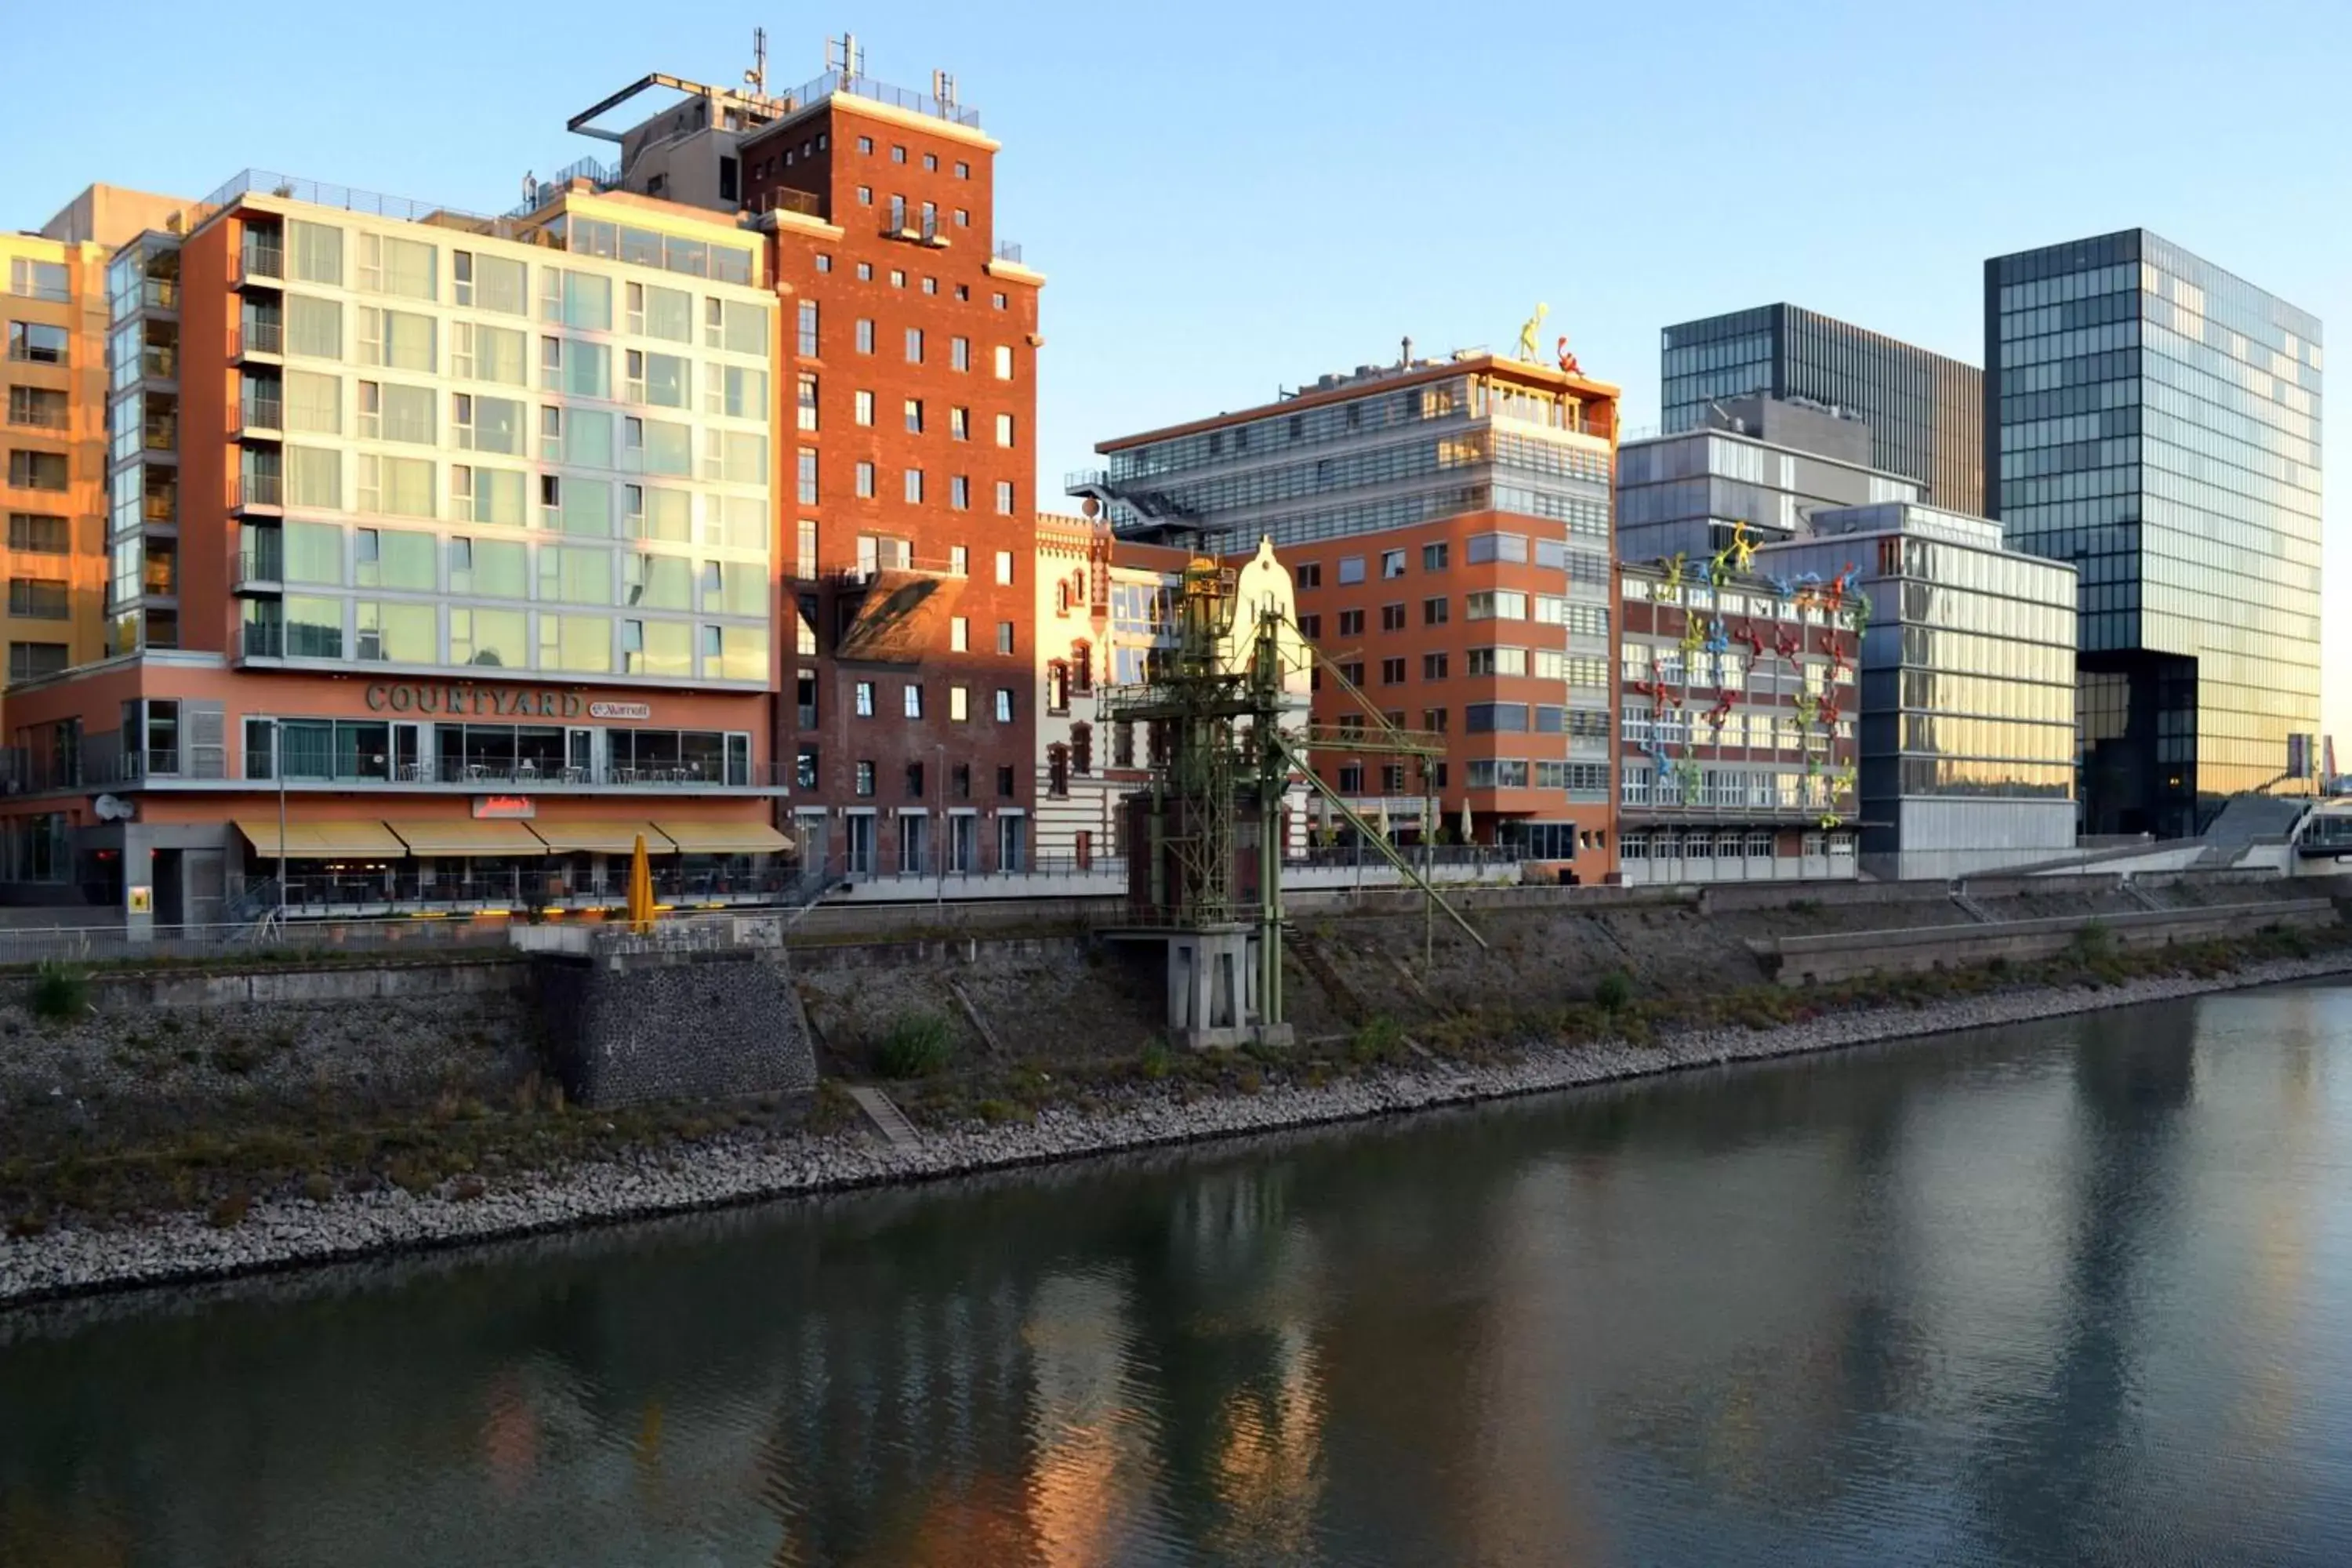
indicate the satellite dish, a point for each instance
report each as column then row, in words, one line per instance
column 114, row 808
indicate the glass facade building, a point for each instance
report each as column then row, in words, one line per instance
column 2156, row 421
column 1925, row 411
column 1968, row 688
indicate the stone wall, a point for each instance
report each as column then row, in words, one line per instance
column 625, row 1028
column 172, row 1048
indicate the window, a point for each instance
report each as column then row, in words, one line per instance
column 958, row 424
column 806, row 400
column 1310, row 627
column 913, row 487
column 1391, row 564
column 1432, row 557
column 898, row 155
column 959, row 703
column 1005, row 710
column 1352, row 623
column 804, row 768
column 1392, row 672
column 912, row 699
column 808, row 330
column 39, row 534
column 1310, row 575
column 37, row 470
column 1433, row 612
column 409, row 268
column 1004, row 498
column 1003, row 363
column 1433, row 666
column 863, row 707
column 36, row 342
column 913, row 345
column 1352, row 570
column 1391, row 617
column 866, row 779
column 960, row 492
column 865, row 403
column 865, row 337
column 999, row 301
column 866, row 145
column 39, row 598
column 42, row 407
column 1351, row 778
column 39, row 279
column 960, row 634
column 1435, row 719
column 914, row 416
column 959, row 561
column 1005, row 429
column 960, row 354
column 865, row 480
column 1004, row 568
column 963, row 170
column 32, row 660
column 1004, row 637
column 807, row 476
column 1500, row 604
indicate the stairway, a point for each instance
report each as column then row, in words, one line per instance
column 886, row 1117
column 1969, row 906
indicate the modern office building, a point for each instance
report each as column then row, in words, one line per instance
column 1967, row 686
column 1926, row 413
column 445, row 539
column 1754, row 470
column 1446, row 523
column 2156, row 421
column 54, row 381
column 909, row 366
column 1737, row 718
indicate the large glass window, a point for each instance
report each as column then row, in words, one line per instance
column 575, row 574
column 582, row 643
column 318, row 252
column 314, row 627
column 669, row 447
column 396, row 486
column 581, row 299
column 660, row 583
column 668, row 514
column 667, row 313
column 489, row 638
column 391, row 264
column 399, row 634
column 587, row 512
column 313, row 403
column 314, row 328
column 588, row 438
column 314, row 477
column 314, row 552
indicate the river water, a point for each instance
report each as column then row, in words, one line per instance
column 2078, row 1292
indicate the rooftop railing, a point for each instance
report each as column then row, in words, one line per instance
column 832, row 82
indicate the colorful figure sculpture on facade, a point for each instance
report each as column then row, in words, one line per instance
column 1670, row 568
column 1568, row 361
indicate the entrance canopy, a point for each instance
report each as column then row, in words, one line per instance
column 323, row 840
column 602, row 838
column 469, row 837
column 725, row 837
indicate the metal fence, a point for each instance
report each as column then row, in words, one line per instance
column 113, row 944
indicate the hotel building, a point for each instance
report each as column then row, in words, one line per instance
column 1448, row 525
column 907, row 362
column 445, row 537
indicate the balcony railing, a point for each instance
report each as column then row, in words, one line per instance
column 538, row 776
column 804, row 203
column 261, row 413
column 1006, row 250
column 159, row 362
column 257, row 337
column 257, row 489
column 524, row 891
column 258, row 568
column 266, row 262
column 160, row 294
column 160, row 434
column 160, row 506
column 265, row 639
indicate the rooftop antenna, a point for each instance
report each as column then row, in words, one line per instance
column 1406, row 362
column 756, row 79
column 843, row 55
column 943, row 87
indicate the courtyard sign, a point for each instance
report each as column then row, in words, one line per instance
column 464, row 699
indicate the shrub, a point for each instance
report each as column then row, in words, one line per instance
column 2092, row 941
column 1377, row 1040
column 998, row 1111
column 59, row 991
column 1155, row 1062
column 1615, row 990
column 917, row 1047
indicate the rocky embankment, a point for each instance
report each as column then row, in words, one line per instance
column 277, row 1234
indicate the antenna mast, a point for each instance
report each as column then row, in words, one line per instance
column 843, row 55
column 756, row 79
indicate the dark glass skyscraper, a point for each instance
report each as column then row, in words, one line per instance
column 1926, row 413
column 2156, row 421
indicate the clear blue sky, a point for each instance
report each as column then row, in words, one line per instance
column 1227, row 197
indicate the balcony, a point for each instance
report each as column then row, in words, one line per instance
column 462, row 775
column 261, row 569
column 1007, row 251
column 914, row 227
column 261, row 418
column 256, row 340
column 262, row 265
column 159, row 361
column 257, row 492
column 160, row 294
column 160, row 506
column 160, row 436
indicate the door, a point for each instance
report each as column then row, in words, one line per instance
column 859, row 860
column 576, row 758
column 407, row 753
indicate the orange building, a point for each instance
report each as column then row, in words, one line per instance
column 53, row 499
column 1447, row 524
column 445, row 541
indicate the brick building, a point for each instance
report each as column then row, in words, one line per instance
column 1448, row 525
column 906, row 450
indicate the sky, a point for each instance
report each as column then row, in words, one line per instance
column 1228, row 199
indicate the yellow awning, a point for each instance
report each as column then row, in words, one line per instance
column 464, row 836
column 602, row 838
column 322, row 840
column 725, row 837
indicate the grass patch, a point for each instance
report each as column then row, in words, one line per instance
column 1615, row 990
column 918, row 1046
column 59, row 991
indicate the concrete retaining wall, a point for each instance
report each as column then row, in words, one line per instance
column 1845, row 955
column 678, row 1025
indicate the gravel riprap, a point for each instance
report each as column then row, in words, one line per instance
column 283, row 1232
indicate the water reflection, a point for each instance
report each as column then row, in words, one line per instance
column 2073, row 1294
